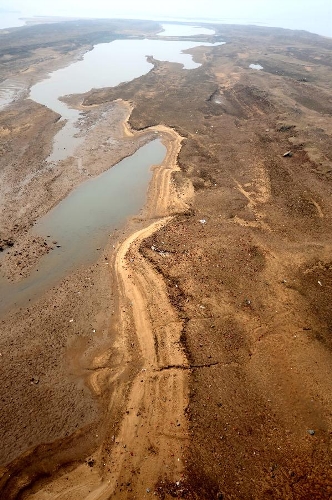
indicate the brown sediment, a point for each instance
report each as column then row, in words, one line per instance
column 152, row 436
column 249, row 259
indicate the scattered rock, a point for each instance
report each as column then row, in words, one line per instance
column 289, row 153
column 285, row 128
column 311, row 432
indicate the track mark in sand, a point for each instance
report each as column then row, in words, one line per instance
column 259, row 195
column 153, row 433
column 152, row 436
column 318, row 208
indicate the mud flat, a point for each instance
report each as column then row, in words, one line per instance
column 206, row 374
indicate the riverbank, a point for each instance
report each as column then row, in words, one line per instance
column 106, row 355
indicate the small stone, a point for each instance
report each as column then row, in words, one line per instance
column 311, row 432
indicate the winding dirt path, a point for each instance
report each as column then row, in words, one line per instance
column 153, row 433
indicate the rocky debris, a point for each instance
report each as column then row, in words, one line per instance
column 18, row 263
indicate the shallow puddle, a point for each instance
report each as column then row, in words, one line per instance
column 82, row 222
column 255, row 66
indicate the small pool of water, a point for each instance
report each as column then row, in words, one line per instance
column 255, row 66
column 184, row 30
column 82, row 222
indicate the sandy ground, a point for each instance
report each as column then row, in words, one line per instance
column 152, row 438
column 199, row 364
column 162, row 362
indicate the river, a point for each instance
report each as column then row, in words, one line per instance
column 107, row 65
column 82, row 222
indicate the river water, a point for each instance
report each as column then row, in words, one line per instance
column 82, row 222
column 107, row 65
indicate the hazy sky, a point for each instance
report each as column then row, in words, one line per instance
column 313, row 15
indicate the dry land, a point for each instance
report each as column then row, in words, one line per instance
column 193, row 359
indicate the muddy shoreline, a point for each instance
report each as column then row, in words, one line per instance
column 99, row 349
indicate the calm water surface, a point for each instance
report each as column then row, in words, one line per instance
column 107, row 65
column 255, row 66
column 82, row 222
column 10, row 20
